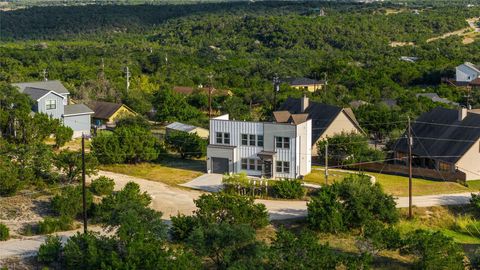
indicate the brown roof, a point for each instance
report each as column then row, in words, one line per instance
column 104, row 110
column 287, row 117
column 186, row 90
column 299, row 118
column 281, row 116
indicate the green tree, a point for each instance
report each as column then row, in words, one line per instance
column 50, row 251
column 69, row 202
column 325, row 211
column 70, row 163
column 9, row 182
column 186, row 144
column 107, row 149
column 63, row 135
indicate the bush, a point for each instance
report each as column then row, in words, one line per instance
column 433, row 250
column 51, row 250
column 475, row 202
column 182, row 226
column 377, row 237
column 51, row 225
column 69, row 202
column 63, row 134
column 289, row 189
column 102, row 186
column 4, row 232
column 325, row 212
column 186, row 144
column 9, row 178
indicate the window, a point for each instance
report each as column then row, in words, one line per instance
column 251, row 164
column 226, row 138
column 260, row 140
column 279, row 166
column 259, row 165
column 222, row 138
column 283, row 166
column 219, row 137
column 443, row 166
column 244, row 139
column 252, row 140
column 282, row 142
column 244, row 163
column 51, row 104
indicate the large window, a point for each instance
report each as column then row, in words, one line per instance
column 244, row 139
column 252, row 140
column 283, row 166
column 244, row 163
column 251, row 164
column 260, row 140
column 222, row 138
column 51, row 104
column 282, row 142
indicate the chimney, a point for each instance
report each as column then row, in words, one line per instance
column 462, row 113
column 303, row 103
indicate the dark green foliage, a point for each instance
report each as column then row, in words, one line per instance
column 182, row 226
column 9, row 182
column 289, row 189
column 69, row 202
column 186, row 144
column 50, row 225
column 351, row 203
column 127, row 144
column 4, row 232
column 348, row 148
column 433, row 250
column 227, row 245
column 229, row 208
column 475, row 202
column 70, row 163
column 63, row 135
column 174, row 107
column 102, row 186
column 377, row 237
column 51, row 250
column 135, row 121
column 305, row 252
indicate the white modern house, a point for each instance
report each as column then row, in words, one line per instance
column 467, row 72
column 261, row 149
column 52, row 98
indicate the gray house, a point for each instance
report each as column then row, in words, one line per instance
column 51, row 98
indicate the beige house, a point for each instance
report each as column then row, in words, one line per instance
column 306, row 84
column 177, row 126
column 447, row 141
column 327, row 120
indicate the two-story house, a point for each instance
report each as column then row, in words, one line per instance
column 52, row 98
column 262, row 149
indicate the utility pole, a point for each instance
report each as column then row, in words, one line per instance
column 210, row 77
column 84, row 197
column 127, row 75
column 276, row 89
column 44, row 73
column 410, row 142
column 326, row 163
column 325, row 83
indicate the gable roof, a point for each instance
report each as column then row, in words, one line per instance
column 287, row 117
column 54, row 86
column 105, row 110
column 440, row 134
column 322, row 115
column 75, row 109
column 181, row 127
column 35, row 93
column 302, row 81
column 471, row 66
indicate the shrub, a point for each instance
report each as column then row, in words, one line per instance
column 4, row 232
column 69, row 202
column 289, row 189
column 9, row 178
column 51, row 250
column 186, row 144
column 102, row 186
column 325, row 212
column 475, row 201
column 377, row 237
column 433, row 250
column 51, row 225
column 182, row 226
column 63, row 134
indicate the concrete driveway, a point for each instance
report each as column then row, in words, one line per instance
column 208, row 182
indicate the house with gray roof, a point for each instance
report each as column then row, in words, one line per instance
column 52, row 98
column 181, row 127
column 436, row 98
column 467, row 72
column 306, row 84
column 445, row 140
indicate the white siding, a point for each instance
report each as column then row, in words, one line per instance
column 465, row 73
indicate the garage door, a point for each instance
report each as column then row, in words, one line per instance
column 220, row 165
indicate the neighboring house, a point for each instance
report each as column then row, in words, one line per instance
column 176, row 126
column 307, row 84
column 188, row 90
column 52, row 98
column 262, row 149
column 355, row 104
column 436, row 98
column 389, row 102
column 466, row 72
column 447, row 141
column 327, row 120
column 108, row 113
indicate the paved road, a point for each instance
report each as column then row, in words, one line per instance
column 171, row 200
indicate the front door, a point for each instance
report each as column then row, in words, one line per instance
column 267, row 168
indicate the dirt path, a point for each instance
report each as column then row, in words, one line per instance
column 468, row 33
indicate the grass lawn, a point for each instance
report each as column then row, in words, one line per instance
column 398, row 185
column 171, row 172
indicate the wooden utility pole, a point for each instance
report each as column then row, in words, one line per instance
column 84, row 195
column 276, row 89
column 210, row 77
column 326, row 163
column 410, row 142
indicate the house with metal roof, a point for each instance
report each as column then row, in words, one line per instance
column 52, row 98
column 327, row 120
column 445, row 140
column 177, row 126
column 467, row 72
column 108, row 113
column 306, row 84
